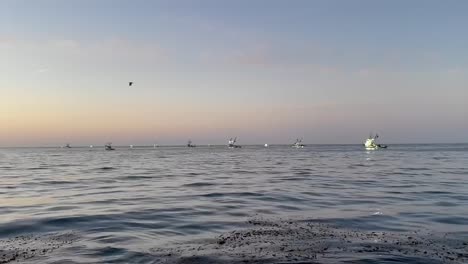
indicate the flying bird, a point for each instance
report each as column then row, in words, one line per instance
column 130, row 83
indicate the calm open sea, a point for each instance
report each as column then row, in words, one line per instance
column 121, row 205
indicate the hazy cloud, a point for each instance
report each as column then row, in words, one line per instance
column 108, row 50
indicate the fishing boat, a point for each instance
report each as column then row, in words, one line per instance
column 232, row 143
column 370, row 143
column 190, row 145
column 108, row 146
column 298, row 144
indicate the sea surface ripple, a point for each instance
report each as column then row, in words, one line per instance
column 121, row 205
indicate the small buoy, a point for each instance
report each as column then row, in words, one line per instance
column 266, row 145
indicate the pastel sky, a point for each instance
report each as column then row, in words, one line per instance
column 266, row 71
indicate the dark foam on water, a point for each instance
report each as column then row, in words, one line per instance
column 33, row 247
column 263, row 240
column 308, row 241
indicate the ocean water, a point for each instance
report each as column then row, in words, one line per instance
column 122, row 205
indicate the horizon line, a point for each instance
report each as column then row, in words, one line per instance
column 218, row 145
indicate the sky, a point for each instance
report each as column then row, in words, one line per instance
column 266, row 71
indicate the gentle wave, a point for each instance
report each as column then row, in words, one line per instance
column 125, row 206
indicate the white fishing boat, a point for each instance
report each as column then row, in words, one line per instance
column 232, row 143
column 370, row 143
column 298, row 144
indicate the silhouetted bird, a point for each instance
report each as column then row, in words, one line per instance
column 130, row 83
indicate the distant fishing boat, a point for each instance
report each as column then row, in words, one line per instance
column 370, row 143
column 232, row 143
column 298, row 144
column 108, row 146
column 190, row 145
column 67, row 145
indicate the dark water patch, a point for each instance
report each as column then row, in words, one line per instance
column 459, row 197
column 415, row 168
column 198, row 228
column 154, row 225
column 242, row 172
column 107, row 251
column 199, row 184
column 290, row 178
column 232, row 194
column 57, row 182
column 66, row 165
column 445, row 204
column 38, row 168
column 288, row 207
column 402, row 186
column 106, row 168
column 62, row 208
column 237, row 214
column 416, row 215
column 452, row 220
column 271, row 172
column 441, row 158
column 52, row 224
column 432, row 193
column 315, row 194
column 360, row 201
column 70, row 222
column 356, row 165
column 456, row 172
column 394, row 192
